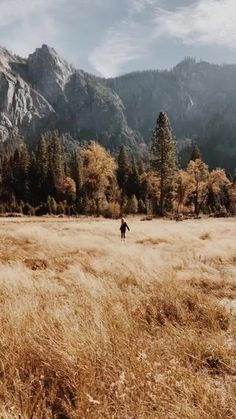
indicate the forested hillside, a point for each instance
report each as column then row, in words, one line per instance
column 44, row 93
column 90, row 181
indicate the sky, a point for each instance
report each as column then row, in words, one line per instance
column 113, row 37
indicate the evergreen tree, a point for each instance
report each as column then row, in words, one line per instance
column 163, row 157
column 33, row 180
column 7, row 178
column 133, row 185
column 132, row 205
column 141, row 170
column 141, row 207
column 55, row 164
column 24, row 167
column 196, row 153
column 21, row 164
column 42, row 161
column 77, row 172
column 123, row 168
column 42, row 158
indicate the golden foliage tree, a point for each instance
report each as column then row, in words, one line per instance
column 198, row 175
column 184, row 187
column 98, row 171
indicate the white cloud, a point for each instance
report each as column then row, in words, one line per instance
column 206, row 22
column 123, row 42
column 203, row 22
column 118, row 48
column 17, row 10
column 25, row 24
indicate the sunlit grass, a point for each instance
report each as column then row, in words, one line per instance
column 95, row 328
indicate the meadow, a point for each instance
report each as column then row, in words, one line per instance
column 99, row 329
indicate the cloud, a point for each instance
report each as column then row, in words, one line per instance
column 206, row 22
column 26, row 24
column 125, row 41
column 118, row 48
column 12, row 11
column 149, row 22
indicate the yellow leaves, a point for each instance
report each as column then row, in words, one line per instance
column 152, row 183
column 98, row 166
column 68, row 185
column 198, row 170
column 217, row 179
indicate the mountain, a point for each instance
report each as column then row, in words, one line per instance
column 200, row 99
column 44, row 92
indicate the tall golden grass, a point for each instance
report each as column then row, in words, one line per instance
column 95, row 328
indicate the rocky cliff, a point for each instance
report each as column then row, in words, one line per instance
column 44, row 92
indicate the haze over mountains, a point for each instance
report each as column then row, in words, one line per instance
column 44, row 93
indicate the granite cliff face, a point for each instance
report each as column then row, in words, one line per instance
column 23, row 110
column 44, row 92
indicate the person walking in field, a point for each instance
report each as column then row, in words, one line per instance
column 123, row 228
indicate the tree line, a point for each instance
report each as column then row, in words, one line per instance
column 90, row 181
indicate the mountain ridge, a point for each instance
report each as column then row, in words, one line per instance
column 44, row 92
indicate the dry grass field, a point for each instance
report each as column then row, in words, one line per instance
column 95, row 328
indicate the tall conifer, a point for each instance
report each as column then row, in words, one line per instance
column 163, row 157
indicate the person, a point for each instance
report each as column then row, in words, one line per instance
column 123, row 228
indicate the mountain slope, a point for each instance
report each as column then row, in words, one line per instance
column 44, row 92
column 200, row 99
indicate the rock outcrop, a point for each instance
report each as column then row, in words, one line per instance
column 23, row 110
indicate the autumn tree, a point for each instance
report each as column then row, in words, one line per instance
column 232, row 198
column 98, row 170
column 68, row 189
column 218, row 185
column 198, row 174
column 150, row 187
column 163, row 157
column 184, row 188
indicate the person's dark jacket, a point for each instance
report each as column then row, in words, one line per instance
column 123, row 227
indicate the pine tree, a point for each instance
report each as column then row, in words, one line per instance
column 163, row 157
column 123, row 168
column 24, row 167
column 33, row 180
column 77, row 172
column 141, row 207
column 42, row 159
column 133, row 186
column 141, row 169
column 132, row 205
column 55, row 164
column 21, row 164
column 7, row 178
column 196, row 153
